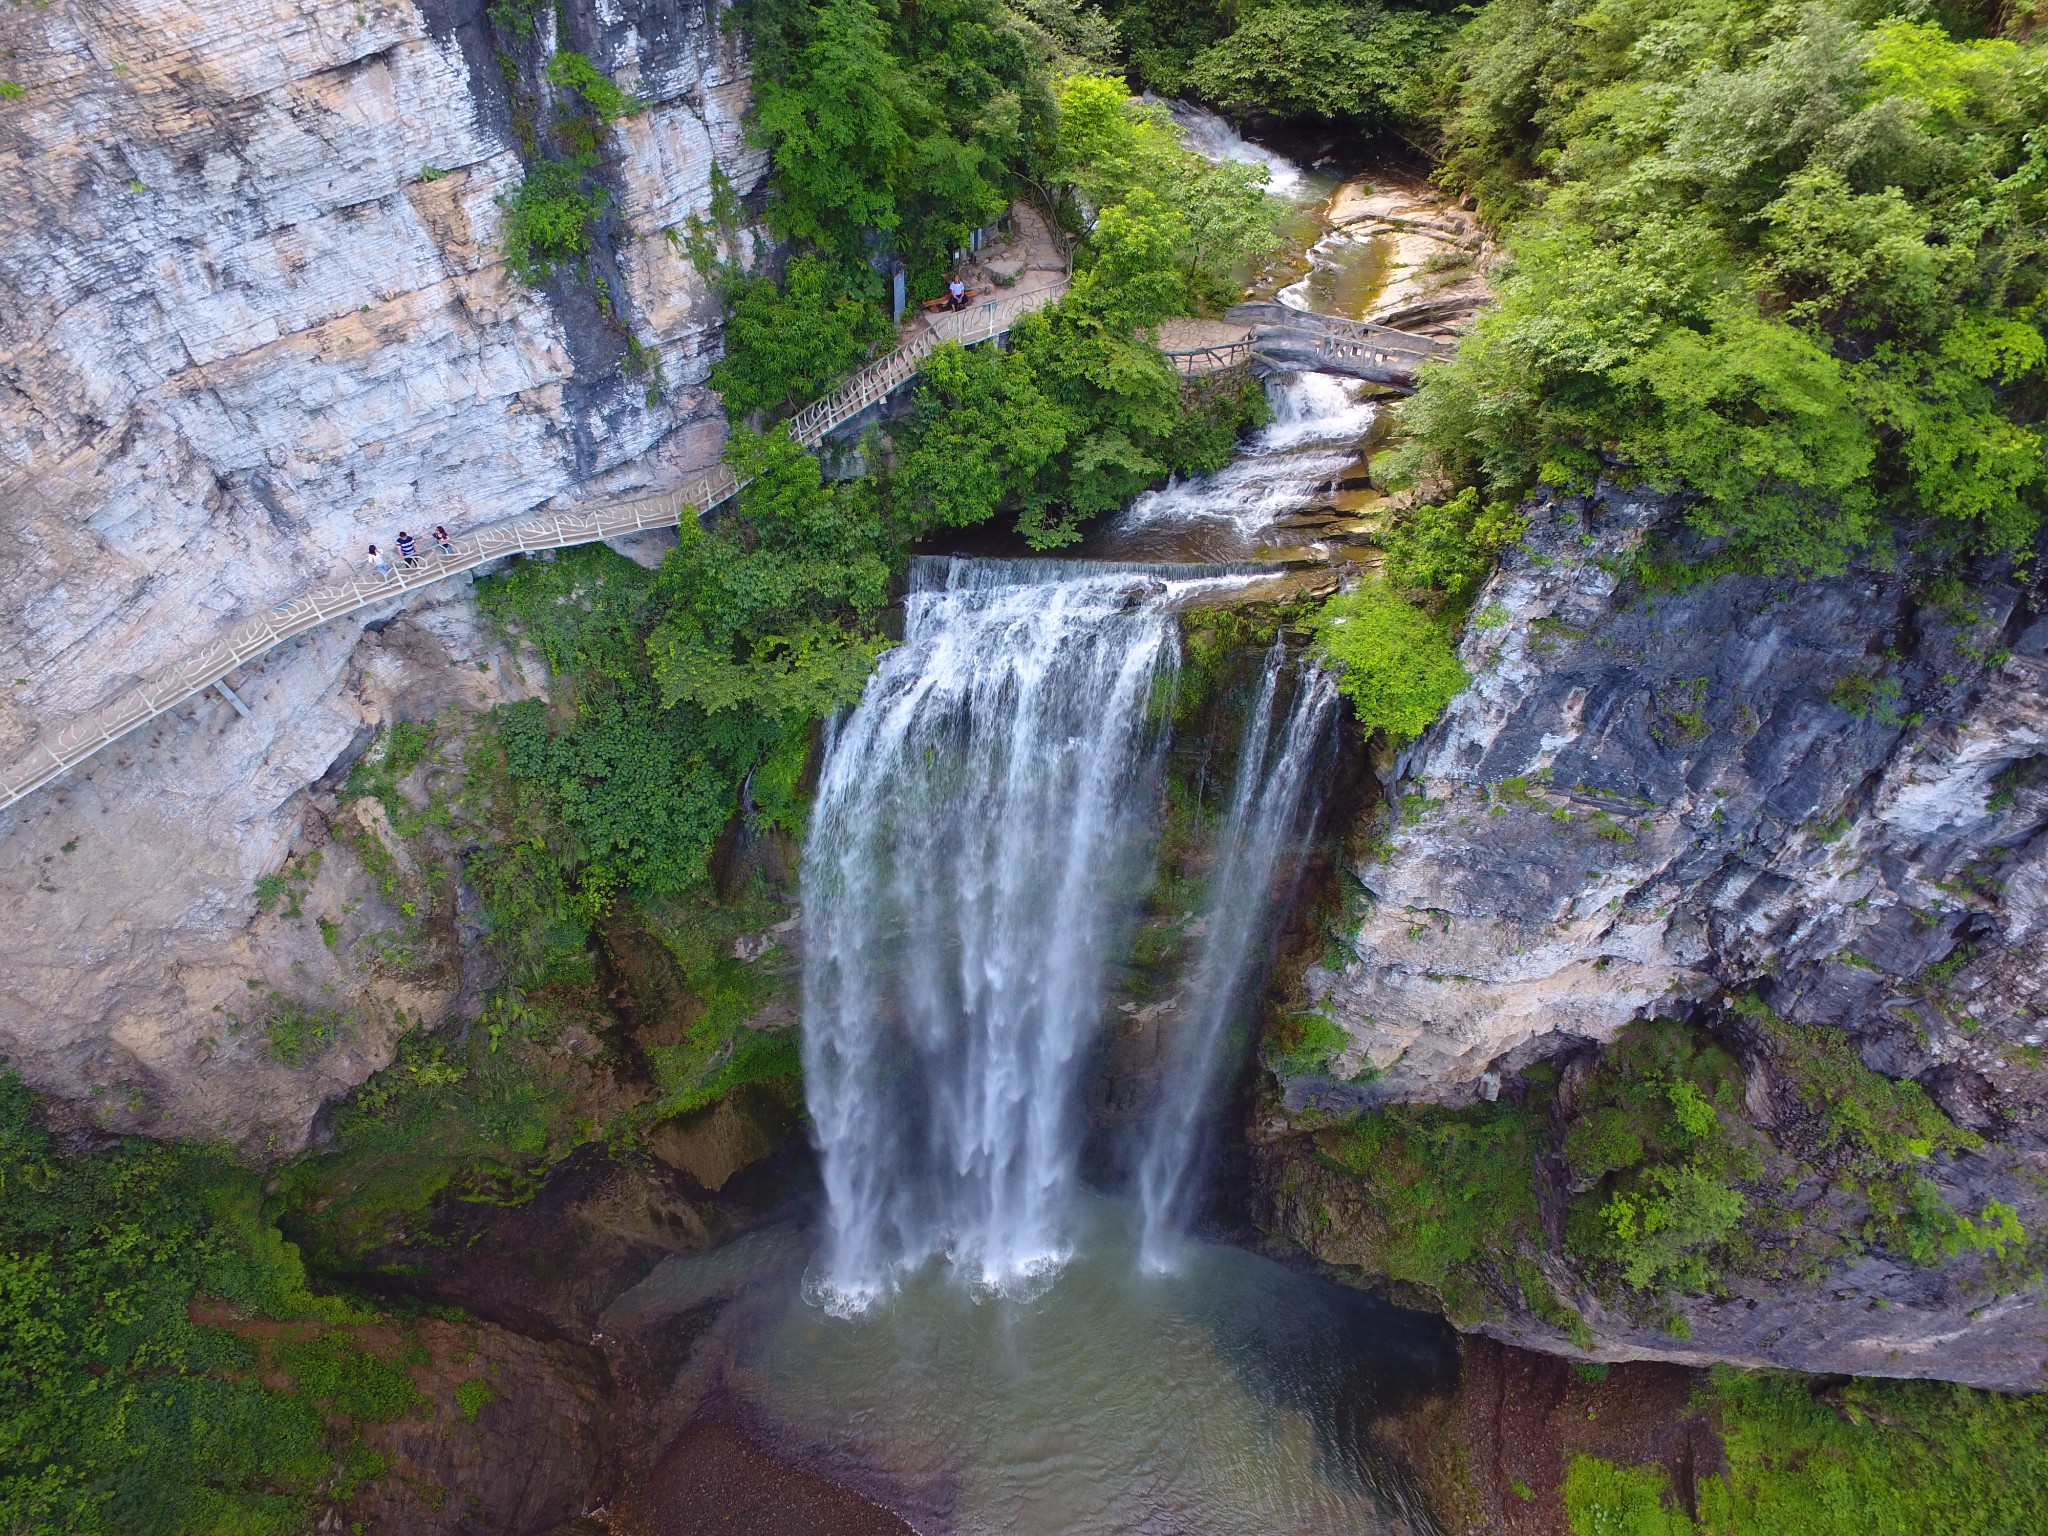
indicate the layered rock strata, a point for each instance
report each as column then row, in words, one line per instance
column 1656, row 796
column 256, row 316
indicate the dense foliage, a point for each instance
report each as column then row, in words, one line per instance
column 1787, row 259
column 120, row 1415
column 788, row 342
column 1854, row 1458
column 1355, row 61
column 1666, row 1185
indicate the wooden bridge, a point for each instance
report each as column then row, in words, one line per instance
column 1273, row 336
column 62, row 746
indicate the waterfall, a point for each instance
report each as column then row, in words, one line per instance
column 983, row 825
column 1313, row 438
column 1273, row 800
column 1207, row 135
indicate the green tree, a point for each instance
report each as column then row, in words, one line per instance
column 833, row 119
column 982, row 432
column 1398, row 667
column 786, row 344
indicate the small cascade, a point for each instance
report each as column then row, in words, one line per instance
column 1318, row 419
column 1273, row 802
column 1207, row 135
column 983, row 822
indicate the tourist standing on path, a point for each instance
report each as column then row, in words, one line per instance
column 441, row 538
column 379, row 564
column 408, row 552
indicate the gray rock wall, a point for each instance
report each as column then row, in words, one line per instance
column 253, row 316
column 1833, row 793
column 1819, row 788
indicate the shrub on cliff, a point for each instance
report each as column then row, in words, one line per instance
column 1789, row 260
column 119, row 1414
column 1397, row 665
column 548, row 217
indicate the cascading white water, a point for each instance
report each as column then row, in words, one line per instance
column 1318, row 419
column 1207, row 135
column 983, row 820
column 1273, row 799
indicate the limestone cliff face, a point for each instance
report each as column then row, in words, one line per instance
column 254, row 316
column 1831, row 792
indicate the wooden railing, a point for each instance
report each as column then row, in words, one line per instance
column 64, row 746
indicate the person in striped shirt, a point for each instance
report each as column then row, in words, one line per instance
column 408, row 552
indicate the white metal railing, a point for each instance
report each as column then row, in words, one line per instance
column 64, row 746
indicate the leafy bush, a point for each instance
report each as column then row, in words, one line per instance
column 1450, row 547
column 763, row 619
column 574, row 72
column 1788, row 260
column 548, row 217
column 1658, row 1166
column 1171, row 230
column 1398, row 667
column 118, row 1413
column 787, row 344
column 1659, row 1233
column 920, row 123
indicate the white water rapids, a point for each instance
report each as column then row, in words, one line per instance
column 1318, row 421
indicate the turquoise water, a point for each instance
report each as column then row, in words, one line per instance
column 1233, row 1397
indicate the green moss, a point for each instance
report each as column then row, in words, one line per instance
column 1820, row 1456
column 1893, row 1120
column 1448, row 1194
column 1308, row 1043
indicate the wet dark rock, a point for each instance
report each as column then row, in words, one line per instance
column 1656, row 796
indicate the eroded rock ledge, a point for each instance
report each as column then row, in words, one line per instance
column 1827, row 797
